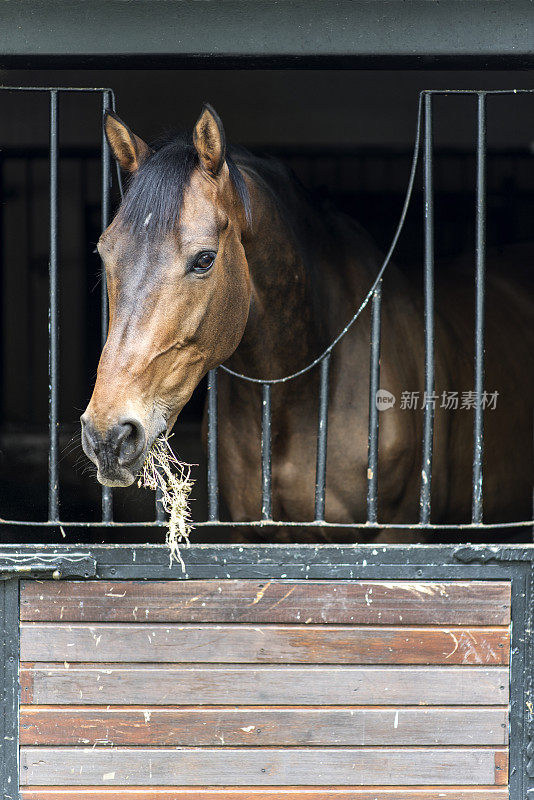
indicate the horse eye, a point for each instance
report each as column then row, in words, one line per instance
column 203, row 262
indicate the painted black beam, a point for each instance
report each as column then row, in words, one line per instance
column 267, row 33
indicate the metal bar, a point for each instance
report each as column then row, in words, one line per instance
column 213, row 447
column 133, row 560
column 100, row 89
column 322, row 435
column 428, row 424
column 54, row 88
column 38, row 527
column 107, row 496
column 9, row 687
column 374, row 384
column 160, row 511
column 4, row 343
column 266, row 467
column 53, row 332
column 478, row 425
column 46, row 565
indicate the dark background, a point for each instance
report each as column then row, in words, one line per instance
column 347, row 134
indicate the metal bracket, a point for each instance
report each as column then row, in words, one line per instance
column 47, row 565
column 484, row 554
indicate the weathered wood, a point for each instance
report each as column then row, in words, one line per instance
column 501, row 768
column 169, row 685
column 247, row 644
column 257, row 767
column 339, row 602
column 253, row 793
column 209, row 727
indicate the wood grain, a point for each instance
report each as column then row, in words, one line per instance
column 209, row 727
column 501, row 768
column 269, row 644
column 321, row 602
column 253, row 793
column 244, row 685
column 256, row 767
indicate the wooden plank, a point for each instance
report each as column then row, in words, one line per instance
column 257, row 767
column 319, row 602
column 252, row 792
column 215, row 685
column 209, row 727
column 501, row 768
column 247, row 644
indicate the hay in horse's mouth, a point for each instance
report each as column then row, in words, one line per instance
column 162, row 470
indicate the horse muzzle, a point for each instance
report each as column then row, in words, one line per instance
column 117, row 452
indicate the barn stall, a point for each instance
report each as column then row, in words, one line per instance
column 299, row 671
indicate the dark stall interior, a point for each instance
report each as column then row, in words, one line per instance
column 348, row 135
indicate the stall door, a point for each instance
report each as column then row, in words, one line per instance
column 218, row 689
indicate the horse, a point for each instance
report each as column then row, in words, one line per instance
column 217, row 256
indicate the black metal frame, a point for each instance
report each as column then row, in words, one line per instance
column 414, row 562
column 322, row 562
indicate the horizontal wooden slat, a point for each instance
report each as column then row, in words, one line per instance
column 244, row 685
column 340, row 602
column 210, row 727
column 257, row 767
column 234, row 644
column 253, row 793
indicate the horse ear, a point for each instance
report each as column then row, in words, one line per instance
column 129, row 150
column 209, row 140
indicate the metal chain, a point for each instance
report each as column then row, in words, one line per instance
column 373, row 288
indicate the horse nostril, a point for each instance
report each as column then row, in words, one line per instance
column 130, row 440
column 90, row 441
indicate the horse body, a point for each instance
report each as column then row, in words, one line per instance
column 276, row 292
column 282, row 334
column 296, row 310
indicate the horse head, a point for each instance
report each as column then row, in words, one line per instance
column 178, row 286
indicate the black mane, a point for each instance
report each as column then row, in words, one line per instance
column 155, row 192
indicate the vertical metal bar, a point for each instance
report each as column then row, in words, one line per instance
column 374, row 384
column 322, row 435
column 478, row 427
column 213, row 448
column 53, row 332
column 3, row 343
column 9, row 683
column 266, row 467
column 107, row 497
column 160, row 511
column 428, row 425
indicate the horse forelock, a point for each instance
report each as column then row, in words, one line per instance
column 155, row 194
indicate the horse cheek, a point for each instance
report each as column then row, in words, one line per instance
column 237, row 292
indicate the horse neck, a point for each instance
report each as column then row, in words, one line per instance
column 286, row 324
